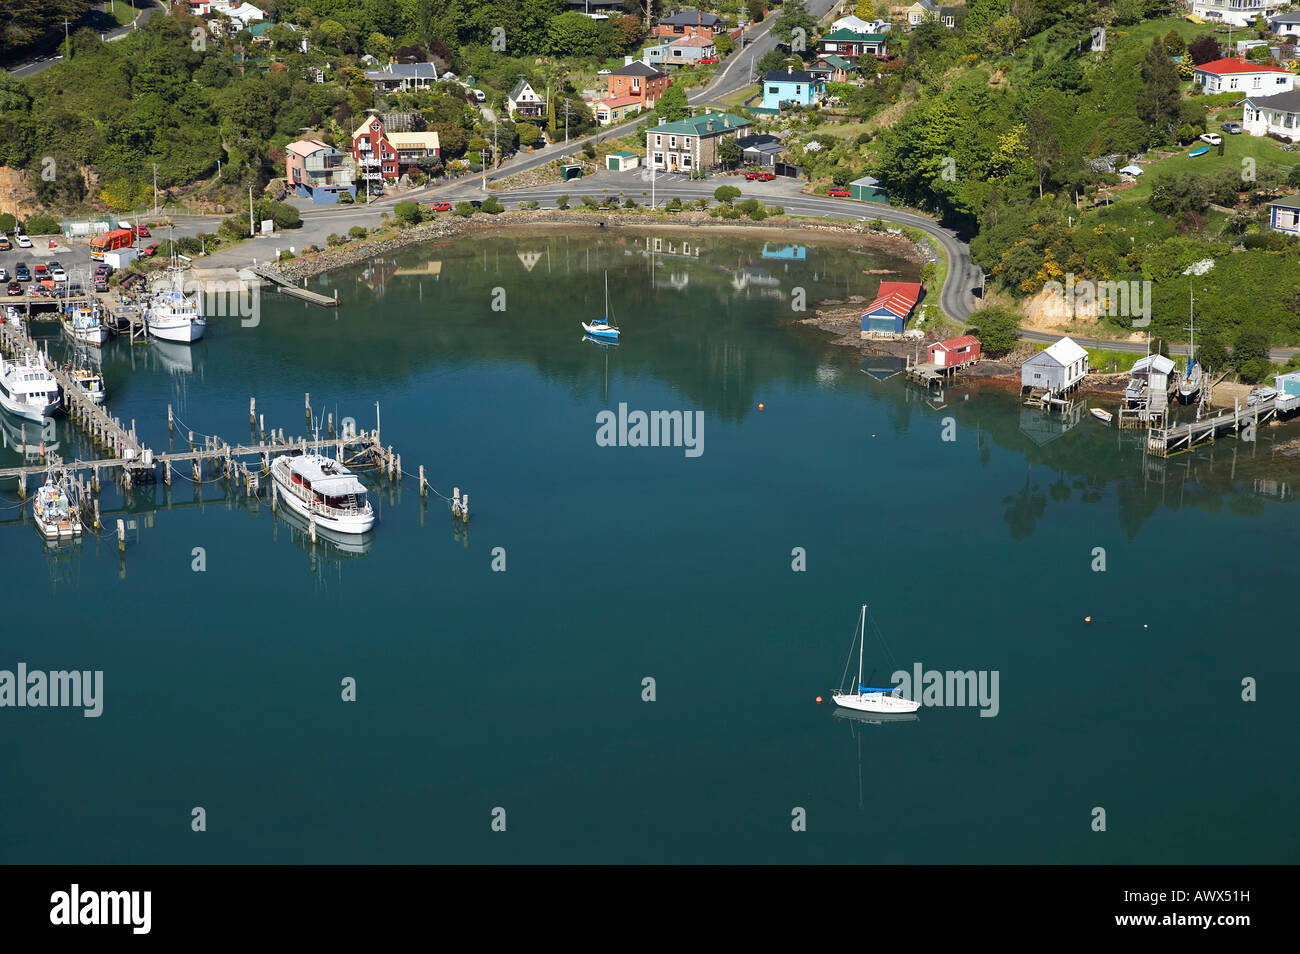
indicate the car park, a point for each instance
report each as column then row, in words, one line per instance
column 1231, row 128
column 838, row 192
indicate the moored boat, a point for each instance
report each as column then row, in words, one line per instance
column 90, row 382
column 27, row 388
column 603, row 329
column 314, row 485
column 54, row 507
column 1104, row 416
column 83, row 325
column 865, row 698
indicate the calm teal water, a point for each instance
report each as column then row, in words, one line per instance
column 523, row 689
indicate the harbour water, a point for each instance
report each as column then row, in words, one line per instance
column 525, row 689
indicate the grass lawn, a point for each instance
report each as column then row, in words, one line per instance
column 120, row 10
column 1235, row 148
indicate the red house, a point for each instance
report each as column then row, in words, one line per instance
column 637, row 79
column 955, row 352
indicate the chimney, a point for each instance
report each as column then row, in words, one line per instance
column 662, row 120
column 709, row 126
column 789, row 70
column 726, row 121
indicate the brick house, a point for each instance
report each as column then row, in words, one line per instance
column 638, row 79
column 690, row 23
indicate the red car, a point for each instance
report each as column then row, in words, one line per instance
column 706, row 61
column 440, row 207
column 14, row 288
column 838, row 191
column 42, row 272
column 149, row 250
column 142, row 232
column 753, row 174
column 765, row 176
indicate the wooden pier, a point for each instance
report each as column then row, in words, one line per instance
column 1237, row 421
column 272, row 275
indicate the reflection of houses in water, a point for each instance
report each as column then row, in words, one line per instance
column 1043, row 427
column 789, row 253
column 882, row 367
column 1273, row 488
column 376, row 274
column 756, row 282
column 425, row 270
column 529, row 259
column 677, row 281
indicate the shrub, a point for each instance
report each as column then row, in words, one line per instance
column 463, row 209
column 776, row 210
column 750, row 206
column 701, row 203
column 630, row 203
column 334, row 239
column 589, row 201
column 562, row 202
column 345, row 198
column 726, row 193
column 408, row 213
column 997, row 329
column 7, row 222
column 42, row 225
column 589, row 150
column 674, row 204
column 357, row 232
column 493, row 207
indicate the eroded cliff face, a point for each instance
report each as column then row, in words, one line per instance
column 15, row 183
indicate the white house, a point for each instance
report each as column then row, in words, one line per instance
column 858, row 25
column 1285, row 24
column 1236, row 12
column 1278, row 114
column 1058, row 367
column 524, row 101
column 1232, row 75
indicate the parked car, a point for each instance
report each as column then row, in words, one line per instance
column 100, row 285
column 4, row 276
column 479, row 95
column 41, row 272
column 1231, row 128
column 22, row 273
column 150, row 250
column 766, row 176
column 103, row 271
column 440, row 207
column 840, row 192
column 22, row 240
column 603, row 72
column 5, row 244
column 53, row 264
column 58, row 274
column 1213, row 139
column 14, row 288
column 708, row 60
column 142, row 232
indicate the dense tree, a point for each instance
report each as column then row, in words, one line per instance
column 1158, row 101
column 1203, row 49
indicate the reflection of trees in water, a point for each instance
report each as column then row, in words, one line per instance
column 1023, row 510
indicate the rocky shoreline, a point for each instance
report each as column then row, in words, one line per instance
column 354, row 253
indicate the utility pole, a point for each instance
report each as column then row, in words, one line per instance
column 566, row 122
column 482, row 158
column 155, row 190
column 251, row 232
column 67, row 45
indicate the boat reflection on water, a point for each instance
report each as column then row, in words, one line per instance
column 334, row 546
column 174, row 357
column 875, row 718
column 27, row 438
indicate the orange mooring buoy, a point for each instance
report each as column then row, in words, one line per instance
column 819, row 700
column 1087, row 619
column 760, row 405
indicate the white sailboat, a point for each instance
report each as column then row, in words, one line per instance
column 603, row 329
column 864, row 698
column 1189, row 383
column 314, row 485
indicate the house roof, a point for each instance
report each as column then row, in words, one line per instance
column 838, row 62
column 519, row 88
column 614, row 102
column 1285, row 18
column 624, row 155
column 1288, row 102
column 692, row 41
column 691, row 18
column 698, row 125
column 1228, row 66
column 1158, row 362
column 1065, row 352
column 896, row 298
column 364, row 128
column 404, row 71
column 789, row 76
column 851, row 23
column 414, row 140
column 849, row 36
column 1287, row 201
column 305, row 147
column 952, row 344
column 638, row 68
column 870, row 181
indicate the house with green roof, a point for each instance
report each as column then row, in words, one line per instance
column 832, row 69
column 850, row 45
column 692, row 143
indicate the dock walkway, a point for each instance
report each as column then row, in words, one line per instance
column 1238, row 421
column 272, row 275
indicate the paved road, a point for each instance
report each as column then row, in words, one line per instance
column 148, row 7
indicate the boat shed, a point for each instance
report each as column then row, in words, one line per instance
column 1152, row 374
column 622, row 161
column 1288, row 391
column 1057, row 368
column 888, row 314
column 955, row 352
column 868, row 189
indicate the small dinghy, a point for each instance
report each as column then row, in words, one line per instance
column 1104, row 416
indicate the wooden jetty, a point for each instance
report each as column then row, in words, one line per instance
column 1237, row 421
column 272, row 275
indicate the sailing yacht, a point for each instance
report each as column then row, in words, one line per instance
column 27, row 388
column 603, row 329
column 865, row 698
column 1189, row 383
column 314, row 485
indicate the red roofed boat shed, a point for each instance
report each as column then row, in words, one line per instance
column 888, row 314
column 955, row 352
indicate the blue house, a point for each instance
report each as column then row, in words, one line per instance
column 893, row 305
column 792, row 86
column 1284, row 214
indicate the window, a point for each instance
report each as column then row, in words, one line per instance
column 798, row 90
column 686, row 160
column 1256, row 83
column 659, row 140
column 686, row 143
column 774, row 90
column 1232, row 83
column 1281, row 81
column 672, row 142
column 659, row 158
column 1285, row 219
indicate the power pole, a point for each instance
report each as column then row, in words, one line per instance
column 67, row 45
column 251, row 232
column 482, row 158
column 155, row 190
column 566, row 122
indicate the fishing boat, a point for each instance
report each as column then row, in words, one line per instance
column 1189, row 382
column 314, row 485
column 89, row 381
column 27, row 388
column 865, row 698
column 1104, row 416
column 604, row 329
column 83, row 324
column 54, row 510
column 170, row 314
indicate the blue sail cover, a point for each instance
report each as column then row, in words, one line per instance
column 862, row 688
